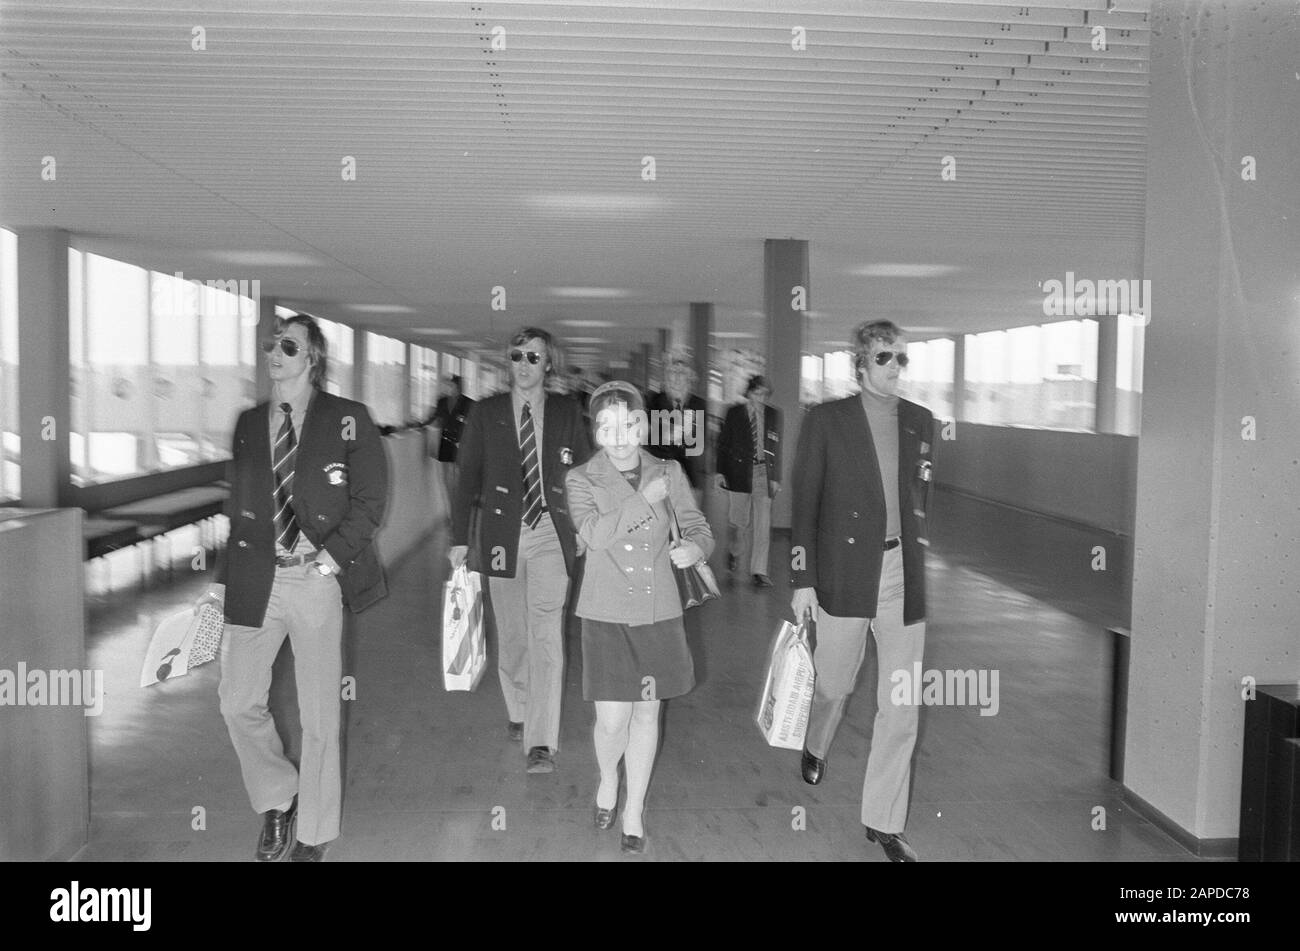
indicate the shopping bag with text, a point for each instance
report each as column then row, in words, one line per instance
column 787, row 689
column 464, row 647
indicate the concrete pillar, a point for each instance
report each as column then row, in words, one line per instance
column 1216, row 580
column 265, row 328
column 359, row 351
column 1107, row 350
column 699, row 336
column 44, row 397
column 646, row 358
column 958, row 375
column 787, row 297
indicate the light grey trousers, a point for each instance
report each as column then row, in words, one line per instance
column 529, row 611
column 308, row 608
column 841, row 648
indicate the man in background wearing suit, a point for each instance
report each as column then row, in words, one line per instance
column 861, row 484
column 683, row 419
column 749, row 468
column 514, row 454
column 449, row 415
column 308, row 486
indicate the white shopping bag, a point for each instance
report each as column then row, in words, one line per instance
column 182, row 642
column 464, row 647
column 787, row 689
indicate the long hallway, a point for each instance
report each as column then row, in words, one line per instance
column 430, row 775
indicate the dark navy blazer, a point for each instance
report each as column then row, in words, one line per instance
column 838, row 520
column 340, row 489
column 488, row 508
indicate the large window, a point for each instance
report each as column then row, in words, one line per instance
column 424, row 382
column 160, row 368
column 10, row 442
column 1042, row 375
column 928, row 377
column 385, row 387
column 339, row 337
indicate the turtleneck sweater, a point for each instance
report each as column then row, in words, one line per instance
column 882, row 417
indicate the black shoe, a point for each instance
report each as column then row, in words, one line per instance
column 813, row 769
column 604, row 818
column 732, row 563
column 632, row 844
column 541, row 759
column 896, row 847
column 515, row 731
column 307, row 853
column 277, row 833
column 762, row 581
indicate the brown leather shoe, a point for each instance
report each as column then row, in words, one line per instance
column 895, row 845
column 541, row 759
column 307, row 853
column 515, row 731
column 277, row 833
column 813, row 769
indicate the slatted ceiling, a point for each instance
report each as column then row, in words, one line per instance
column 173, row 153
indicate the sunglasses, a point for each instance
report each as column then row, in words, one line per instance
column 884, row 356
column 288, row 346
column 533, row 356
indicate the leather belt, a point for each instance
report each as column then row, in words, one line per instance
column 892, row 543
column 291, row 561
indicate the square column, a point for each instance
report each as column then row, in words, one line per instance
column 44, row 396
column 787, row 295
column 1216, row 578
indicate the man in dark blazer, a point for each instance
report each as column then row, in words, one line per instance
column 678, row 421
column 449, row 415
column 861, row 484
column 510, row 519
column 308, row 486
column 749, row 468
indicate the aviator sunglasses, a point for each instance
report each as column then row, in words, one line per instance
column 288, row 345
column 884, row 356
column 533, row 356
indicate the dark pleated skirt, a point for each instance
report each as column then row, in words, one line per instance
column 618, row 661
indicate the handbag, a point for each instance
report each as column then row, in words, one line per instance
column 695, row 583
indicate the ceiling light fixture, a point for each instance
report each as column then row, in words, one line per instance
column 905, row 270
column 592, row 324
column 589, row 293
column 610, row 205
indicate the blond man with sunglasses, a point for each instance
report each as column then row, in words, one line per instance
column 308, row 488
column 858, row 537
column 510, row 520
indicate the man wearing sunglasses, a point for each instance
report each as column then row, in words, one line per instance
column 308, row 486
column 858, row 537
column 510, row 519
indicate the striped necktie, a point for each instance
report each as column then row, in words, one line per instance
column 758, row 441
column 283, row 461
column 532, row 467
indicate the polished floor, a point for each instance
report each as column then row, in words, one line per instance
column 431, row 775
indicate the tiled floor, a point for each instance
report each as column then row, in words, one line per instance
column 430, row 774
